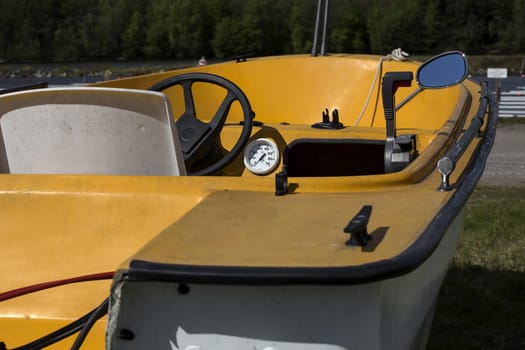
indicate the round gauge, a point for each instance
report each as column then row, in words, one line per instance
column 261, row 156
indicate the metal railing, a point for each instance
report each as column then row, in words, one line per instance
column 512, row 104
column 447, row 164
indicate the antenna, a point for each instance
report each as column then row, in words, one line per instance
column 323, row 51
column 316, row 30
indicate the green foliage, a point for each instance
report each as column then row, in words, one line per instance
column 301, row 21
column 133, row 37
column 71, row 30
column 349, row 29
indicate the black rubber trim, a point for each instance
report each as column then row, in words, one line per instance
column 407, row 261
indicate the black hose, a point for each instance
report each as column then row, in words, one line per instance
column 65, row 331
column 93, row 318
column 56, row 336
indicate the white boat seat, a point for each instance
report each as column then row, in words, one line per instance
column 88, row 130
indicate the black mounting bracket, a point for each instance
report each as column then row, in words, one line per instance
column 326, row 123
column 243, row 57
column 281, row 183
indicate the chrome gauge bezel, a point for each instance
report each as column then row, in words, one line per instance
column 262, row 146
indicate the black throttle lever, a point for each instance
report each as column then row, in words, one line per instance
column 391, row 81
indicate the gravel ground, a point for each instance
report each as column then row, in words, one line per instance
column 506, row 163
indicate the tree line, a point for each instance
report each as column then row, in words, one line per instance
column 81, row 30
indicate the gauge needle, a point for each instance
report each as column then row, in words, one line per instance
column 261, row 157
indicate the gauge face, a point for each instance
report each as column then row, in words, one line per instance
column 261, row 156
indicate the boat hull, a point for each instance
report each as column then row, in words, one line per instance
column 392, row 313
column 240, row 260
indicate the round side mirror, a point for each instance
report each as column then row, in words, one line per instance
column 444, row 70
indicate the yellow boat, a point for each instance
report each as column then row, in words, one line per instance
column 278, row 203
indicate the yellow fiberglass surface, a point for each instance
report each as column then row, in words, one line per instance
column 55, row 227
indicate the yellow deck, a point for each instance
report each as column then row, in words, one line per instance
column 59, row 226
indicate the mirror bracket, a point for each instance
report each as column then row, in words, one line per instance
column 441, row 71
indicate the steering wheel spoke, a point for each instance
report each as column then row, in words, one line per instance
column 191, row 132
column 200, row 140
column 189, row 105
column 223, row 110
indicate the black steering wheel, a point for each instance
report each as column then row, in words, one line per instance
column 200, row 141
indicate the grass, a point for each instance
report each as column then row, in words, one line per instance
column 478, row 65
column 511, row 120
column 90, row 69
column 482, row 302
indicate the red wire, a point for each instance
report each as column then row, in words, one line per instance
column 51, row 284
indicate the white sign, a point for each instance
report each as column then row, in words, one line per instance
column 498, row 73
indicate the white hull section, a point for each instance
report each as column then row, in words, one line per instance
column 389, row 314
